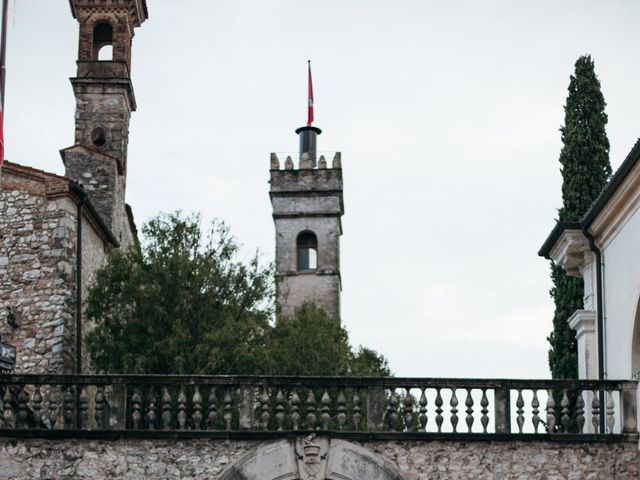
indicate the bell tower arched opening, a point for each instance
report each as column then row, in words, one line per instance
column 102, row 48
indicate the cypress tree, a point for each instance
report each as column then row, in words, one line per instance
column 585, row 171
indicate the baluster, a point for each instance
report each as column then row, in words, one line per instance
column 342, row 409
column 212, row 414
column 484, row 403
column 311, row 409
column 564, row 405
column 325, row 417
column 580, row 412
column 280, row 409
column 152, row 407
column 52, row 405
column 68, row 408
column 295, row 409
column 264, row 402
column 423, row 412
column 37, row 406
column 535, row 404
column 520, row 411
column 469, row 404
column 23, row 411
column 228, row 409
column 83, row 399
column 454, row 410
column 197, row 408
column 98, row 414
column 610, row 412
column 182, row 407
column 595, row 408
column 7, row 412
column 136, row 409
column 392, row 410
column 439, row 403
column 407, row 410
column 357, row 416
column 551, row 412
column 166, row 408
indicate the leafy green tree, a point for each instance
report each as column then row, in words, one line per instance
column 368, row 363
column 184, row 303
column 585, row 171
column 309, row 343
column 313, row 343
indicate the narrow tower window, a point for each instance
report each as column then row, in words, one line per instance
column 307, row 252
column 103, row 41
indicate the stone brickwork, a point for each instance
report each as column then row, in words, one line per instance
column 208, row 459
column 307, row 199
column 38, row 258
column 37, row 287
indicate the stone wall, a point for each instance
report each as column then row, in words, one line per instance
column 38, row 219
column 94, row 256
column 208, row 459
column 37, row 248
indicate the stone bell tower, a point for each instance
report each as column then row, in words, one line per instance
column 104, row 102
column 307, row 209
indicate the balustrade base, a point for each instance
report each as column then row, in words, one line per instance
column 561, row 438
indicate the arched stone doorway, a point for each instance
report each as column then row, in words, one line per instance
column 311, row 458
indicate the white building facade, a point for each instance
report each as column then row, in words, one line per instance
column 604, row 249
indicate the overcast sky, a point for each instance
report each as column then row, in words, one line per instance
column 447, row 117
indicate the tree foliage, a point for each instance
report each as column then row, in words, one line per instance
column 313, row 343
column 585, row 171
column 185, row 303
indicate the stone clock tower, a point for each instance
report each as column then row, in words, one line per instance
column 104, row 102
column 307, row 209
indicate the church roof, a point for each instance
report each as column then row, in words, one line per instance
column 633, row 158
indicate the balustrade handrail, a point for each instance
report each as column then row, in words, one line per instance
column 328, row 381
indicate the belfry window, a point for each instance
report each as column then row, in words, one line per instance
column 307, row 244
column 103, row 41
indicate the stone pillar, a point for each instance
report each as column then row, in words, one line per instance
column 584, row 323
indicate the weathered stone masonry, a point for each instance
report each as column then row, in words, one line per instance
column 38, row 254
column 204, row 459
column 37, row 225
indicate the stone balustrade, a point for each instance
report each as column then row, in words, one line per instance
column 355, row 407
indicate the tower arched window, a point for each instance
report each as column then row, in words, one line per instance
column 307, row 246
column 103, row 41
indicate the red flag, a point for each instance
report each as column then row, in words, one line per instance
column 310, row 107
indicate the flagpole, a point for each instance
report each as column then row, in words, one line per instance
column 3, row 78
column 3, row 50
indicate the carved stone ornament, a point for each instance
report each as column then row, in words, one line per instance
column 311, row 453
column 312, row 457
